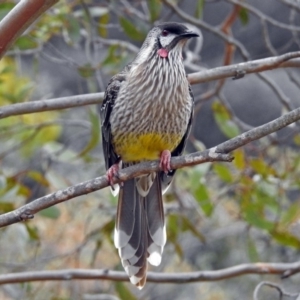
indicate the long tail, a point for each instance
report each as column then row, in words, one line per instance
column 140, row 233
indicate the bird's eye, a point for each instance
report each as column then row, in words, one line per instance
column 165, row 33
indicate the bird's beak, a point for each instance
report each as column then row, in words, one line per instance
column 182, row 37
column 189, row 34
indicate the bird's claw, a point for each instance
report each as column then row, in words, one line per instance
column 111, row 173
column 165, row 160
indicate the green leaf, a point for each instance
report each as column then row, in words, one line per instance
column 25, row 42
column 172, row 227
column 154, row 7
column 172, row 232
column 37, row 176
column 25, row 90
column 223, row 119
column 95, row 134
column 297, row 139
column 244, row 16
column 51, row 212
column 223, row 172
column 193, row 176
column 177, row 247
column 6, row 207
column 187, row 225
column 285, row 238
column 252, row 251
column 131, row 30
column 5, row 8
column 111, row 58
column 67, row 155
column 261, row 167
column 108, row 228
column 32, row 232
column 239, row 159
column 124, row 292
column 290, row 216
column 267, row 193
column 86, row 71
column 72, row 26
column 98, row 246
column 199, row 8
column 202, row 196
column 257, row 219
column 103, row 21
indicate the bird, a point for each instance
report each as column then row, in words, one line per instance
column 146, row 115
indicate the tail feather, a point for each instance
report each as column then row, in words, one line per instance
column 154, row 251
column 155, row 214
column 132, row 249
column 140, row 233
column 125, row 219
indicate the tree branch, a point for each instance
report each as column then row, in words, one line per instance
column 241, row 69
column 235, row 71
column 235, row 271
column 203, row 25
column 218, row 153
column 280, row 290
column 27, row 211
column 19, row 19
column 50, row 104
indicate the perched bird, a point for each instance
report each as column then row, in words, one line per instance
column 146, row 115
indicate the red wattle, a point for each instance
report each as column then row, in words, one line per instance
column 163, row 52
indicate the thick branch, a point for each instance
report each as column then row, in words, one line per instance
column 27, row 211
column 241, row 69
column 257, row 268
column 19, row 19
column 259, row 132
column 51, row 104
column 26, row 12
column 235, row 71
column 218, row 153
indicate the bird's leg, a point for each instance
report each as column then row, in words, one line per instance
column 165, row 159
column 112, row 172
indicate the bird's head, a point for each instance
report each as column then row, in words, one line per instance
column 171, row 37
column 165, row 39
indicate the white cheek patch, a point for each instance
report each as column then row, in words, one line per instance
column 166, row 40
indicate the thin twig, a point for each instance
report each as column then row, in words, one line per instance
column 262, row 16
column 215, row 30
column 281, row 291
column 292, row 4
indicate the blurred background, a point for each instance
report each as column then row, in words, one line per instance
column 219, row 215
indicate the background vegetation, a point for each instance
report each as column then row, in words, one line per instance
column 219, row 214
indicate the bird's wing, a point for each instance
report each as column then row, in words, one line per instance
column 106, row 108
column 179, row 149
column 167, row 178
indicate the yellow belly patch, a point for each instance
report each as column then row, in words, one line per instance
column 146, row 146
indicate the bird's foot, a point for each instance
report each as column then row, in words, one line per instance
column 165, row 159
column 111, row 173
